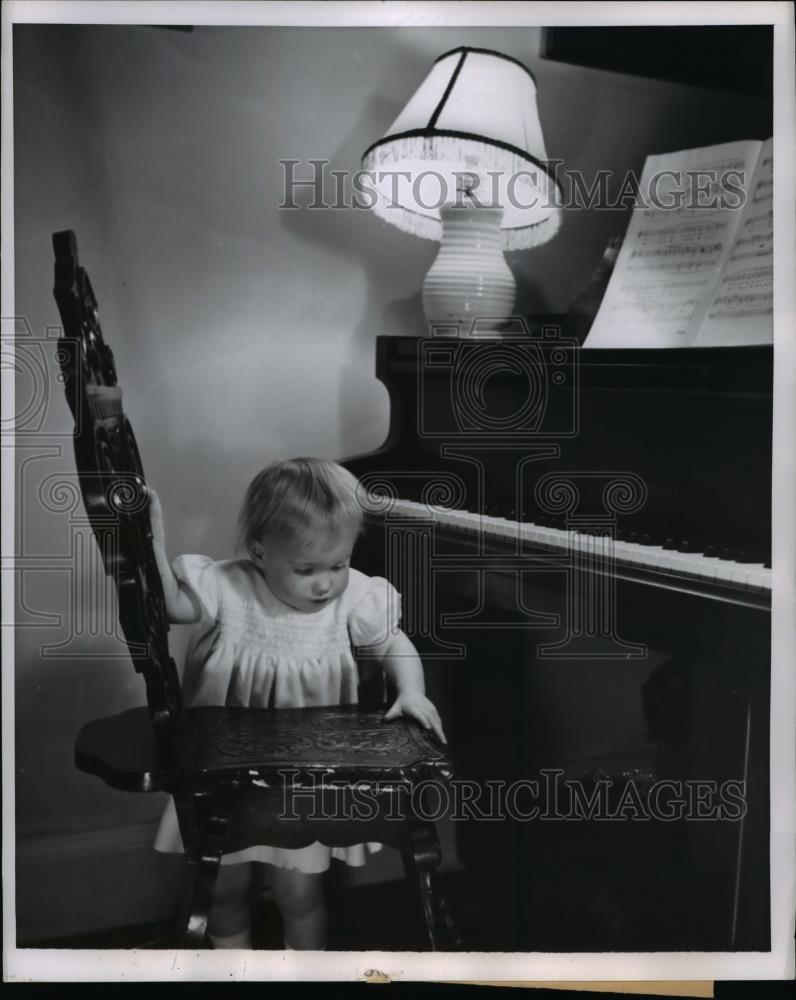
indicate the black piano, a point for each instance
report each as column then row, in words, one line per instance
column 582, row 539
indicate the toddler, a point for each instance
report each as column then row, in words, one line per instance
column 276, row 629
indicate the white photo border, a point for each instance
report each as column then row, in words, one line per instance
column 112, row 965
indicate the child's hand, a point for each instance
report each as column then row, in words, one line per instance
column 418, row 707
column 156, row 520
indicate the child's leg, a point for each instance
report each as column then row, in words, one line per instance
column 299, row 897
column 230, row 917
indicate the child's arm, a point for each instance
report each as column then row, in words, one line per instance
column 403, row 667
column 179, row 606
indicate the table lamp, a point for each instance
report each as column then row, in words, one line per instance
column 465, row 164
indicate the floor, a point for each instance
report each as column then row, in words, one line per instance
column 369, row 918
column 581, row 888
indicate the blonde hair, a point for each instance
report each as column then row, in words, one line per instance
column 297, row 499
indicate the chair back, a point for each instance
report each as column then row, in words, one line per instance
column 113, row 488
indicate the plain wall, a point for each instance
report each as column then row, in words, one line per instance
column 242, row 332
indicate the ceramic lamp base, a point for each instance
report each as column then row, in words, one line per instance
column 470, row 285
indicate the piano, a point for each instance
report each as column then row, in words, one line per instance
column 582, row 540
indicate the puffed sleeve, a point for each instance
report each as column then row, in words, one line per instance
column 376, row 614
column 198, row 575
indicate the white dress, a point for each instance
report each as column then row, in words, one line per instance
column 249, row 649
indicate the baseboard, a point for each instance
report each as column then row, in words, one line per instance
column 78, row 883
column 47, row 848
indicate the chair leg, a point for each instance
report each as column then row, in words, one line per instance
column 207, row 820
column 421, row 857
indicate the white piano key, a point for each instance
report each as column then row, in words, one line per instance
column 490, row 527
column 750, row 575
column 667, row 561
column 706, row 566
column 724, row 571
column 687, row 562
column 578, row 542
column 533, row 535
column 759, row 578
column 621, row 551
column 652, row 555
column 634, row 554
column 738, row 574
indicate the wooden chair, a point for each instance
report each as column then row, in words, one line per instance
column 238, row 776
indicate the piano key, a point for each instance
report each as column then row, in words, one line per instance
column 667, row 561
column 597, row 546
column 760, row 577
column 505, row 527
column 634, row 553
column 653, row 555
column 724, row 571
column 740, row 574
column 704, row 566
column 491, row 527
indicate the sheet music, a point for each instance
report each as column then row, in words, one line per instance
column 681, row 244
column 741, row 310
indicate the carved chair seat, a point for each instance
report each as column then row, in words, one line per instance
column 239, row 776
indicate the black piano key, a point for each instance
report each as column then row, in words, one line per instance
column 727, row 553
column 685, row 545
column 711, row 551
column 742, row 556
column 669, row 543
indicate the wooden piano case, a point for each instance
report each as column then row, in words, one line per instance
column 666, row 681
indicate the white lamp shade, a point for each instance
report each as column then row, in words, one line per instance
column 475, row 113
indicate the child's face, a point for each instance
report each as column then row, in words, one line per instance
column 306, row 577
